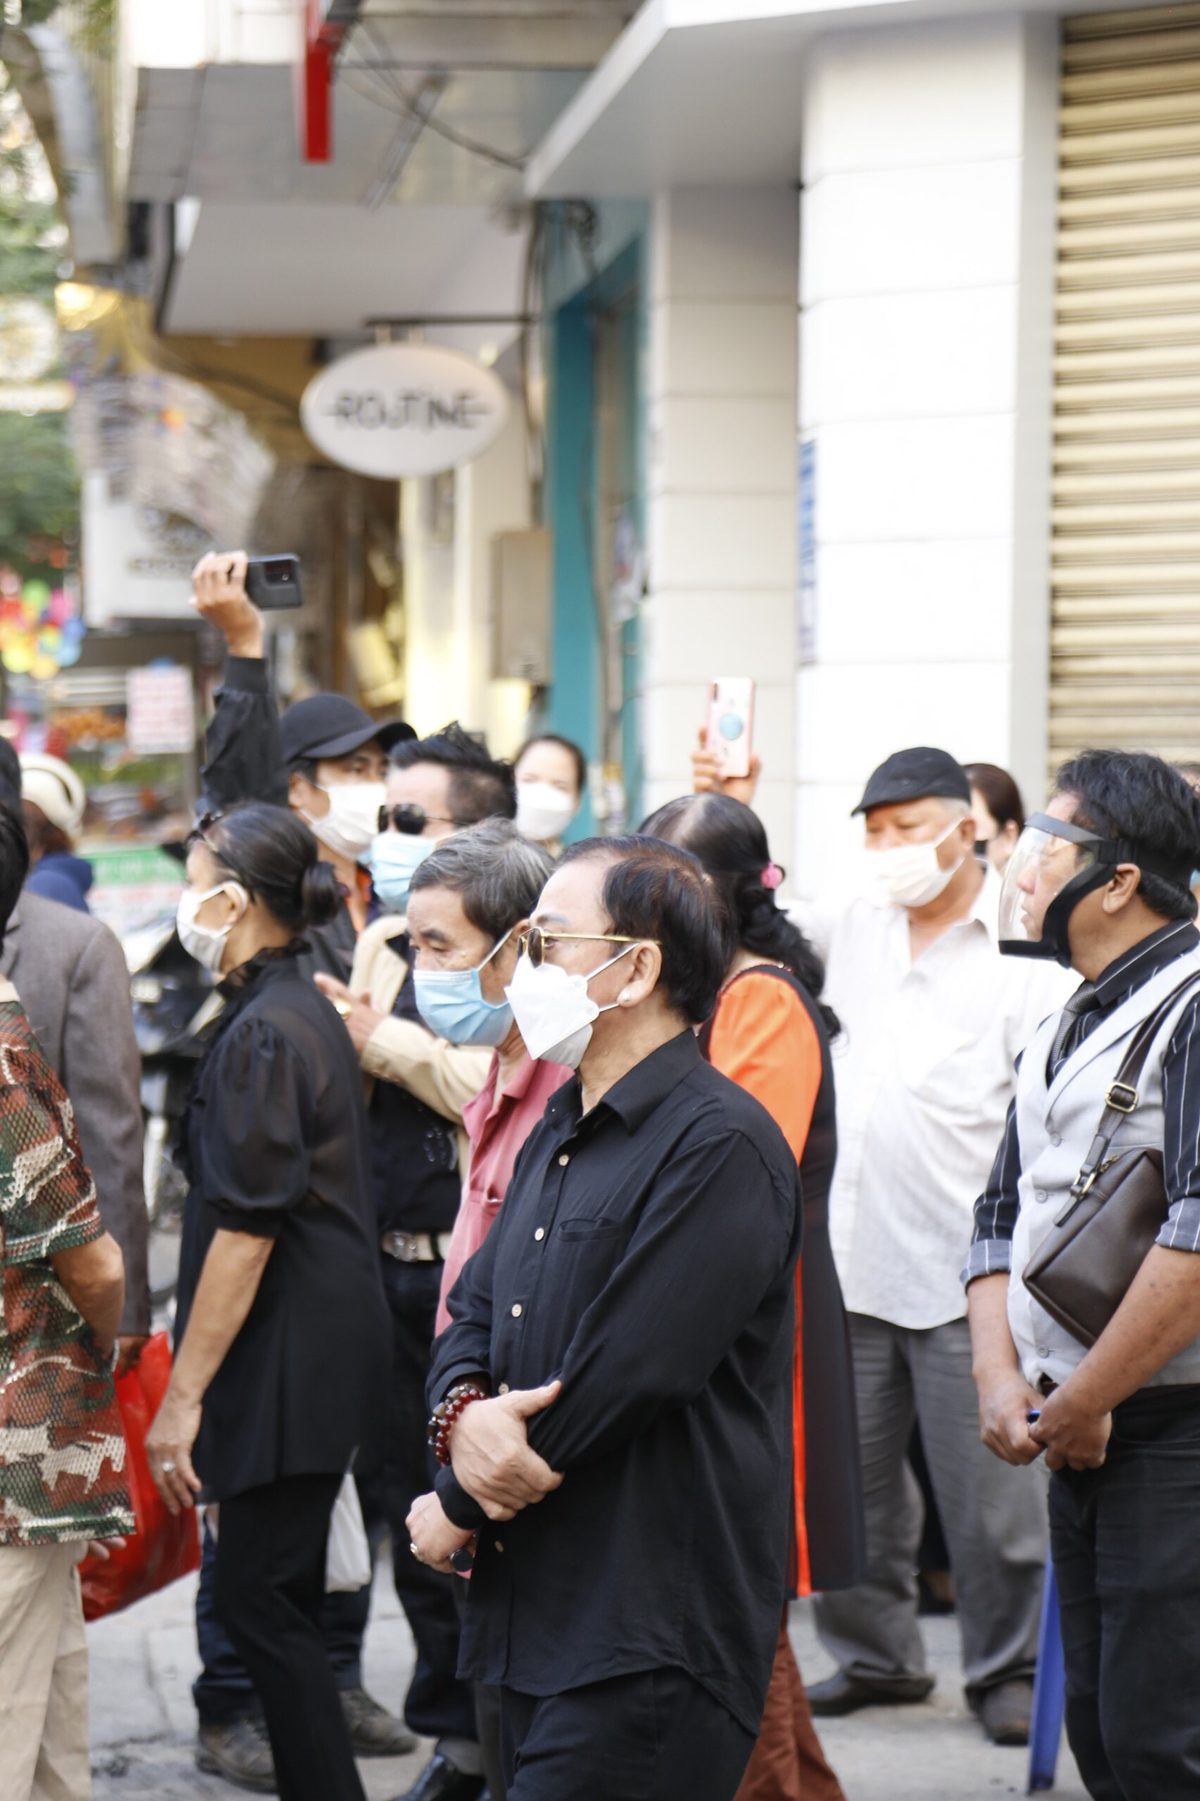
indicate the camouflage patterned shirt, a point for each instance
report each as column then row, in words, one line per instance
column 62, row 1451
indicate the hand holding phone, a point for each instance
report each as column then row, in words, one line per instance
column 729, row 733
column 274, row 582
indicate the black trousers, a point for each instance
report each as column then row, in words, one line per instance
column 1127, row 1558
column 269, row 1586
column 655, row 1736
column 438, row 1705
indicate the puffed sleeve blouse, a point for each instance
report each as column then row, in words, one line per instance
column 276, row 1145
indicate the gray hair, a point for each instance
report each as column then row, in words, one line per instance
column 496, row 873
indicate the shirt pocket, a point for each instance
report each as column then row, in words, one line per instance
column 589, row 1229
column 929, row 1055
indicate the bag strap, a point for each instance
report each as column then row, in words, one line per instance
column 1121, row 1096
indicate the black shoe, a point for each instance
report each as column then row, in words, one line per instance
column 843, row 1693
column 240, row 1752
column 374, row 1732
column 442, row 1780
column 1005, row 1711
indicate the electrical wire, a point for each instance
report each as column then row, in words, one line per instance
column 408, row 102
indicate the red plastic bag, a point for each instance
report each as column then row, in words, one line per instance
column 164, row 1546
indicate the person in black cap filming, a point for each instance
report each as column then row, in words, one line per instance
column 934, row 1021
column 378, row 800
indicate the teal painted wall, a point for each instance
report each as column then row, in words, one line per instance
column 576, row 286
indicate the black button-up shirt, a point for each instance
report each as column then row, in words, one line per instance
column 645, row 1253
column 997, row 1208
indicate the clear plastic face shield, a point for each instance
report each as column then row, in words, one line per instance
column 1054, row 865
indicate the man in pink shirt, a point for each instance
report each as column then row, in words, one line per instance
column 468, row 901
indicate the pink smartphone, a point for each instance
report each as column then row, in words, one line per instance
column 729, row 733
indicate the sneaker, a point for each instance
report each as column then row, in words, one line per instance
column 374, row 1732
column 240, row 1752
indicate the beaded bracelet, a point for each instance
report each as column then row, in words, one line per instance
column 446, row 1413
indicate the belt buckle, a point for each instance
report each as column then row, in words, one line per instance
column 403, row 1246
column 1123, row 1089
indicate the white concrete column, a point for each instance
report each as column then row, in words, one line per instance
column 927, row 242
column 721, row 508
column 447, row 581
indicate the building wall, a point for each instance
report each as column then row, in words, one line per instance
column 447, row 581
column 721, row 488
column 926, row 286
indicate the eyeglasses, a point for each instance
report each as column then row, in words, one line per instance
column 412, row 819
column 533, row 943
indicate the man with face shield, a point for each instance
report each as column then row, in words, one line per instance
column 934, row 1021
column 1101, row 882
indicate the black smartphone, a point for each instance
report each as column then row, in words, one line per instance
column 274, row 582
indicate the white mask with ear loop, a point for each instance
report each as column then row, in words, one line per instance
column 206, row 943
column 353, row 817
column 909, row 875
column 553, row 1009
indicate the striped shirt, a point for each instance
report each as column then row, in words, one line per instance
column 997, row 1207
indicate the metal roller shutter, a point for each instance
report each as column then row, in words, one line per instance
column 1125, row 630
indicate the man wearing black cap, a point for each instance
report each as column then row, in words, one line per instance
column 327, row 760
column 934, row 1021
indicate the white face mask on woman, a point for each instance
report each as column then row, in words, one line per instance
column 543, row 811
column 909, row 875
column 206, row 943
column 353, row 817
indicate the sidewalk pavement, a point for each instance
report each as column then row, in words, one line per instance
column 143, row 1724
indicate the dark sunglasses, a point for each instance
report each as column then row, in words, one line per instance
column 533, row 943
column 412, row 819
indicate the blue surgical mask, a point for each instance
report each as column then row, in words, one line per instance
column 394, row 858
column 451, row 1003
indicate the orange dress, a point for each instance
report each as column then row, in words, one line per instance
column 762, row 1038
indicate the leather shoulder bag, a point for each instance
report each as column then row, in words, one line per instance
column 1084, row 1267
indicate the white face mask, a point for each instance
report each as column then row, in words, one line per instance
column 206, row 943
column 554, row 1011
column 909, row 875
column 353, row 817
column 543, row 811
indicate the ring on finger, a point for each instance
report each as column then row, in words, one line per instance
column 415, row 1548
column 168, row 1465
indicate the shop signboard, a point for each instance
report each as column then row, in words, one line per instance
column 161, row 714
column 397, row 410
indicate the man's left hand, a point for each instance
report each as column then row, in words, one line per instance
column 1071, row 1436
column 433, row 1534
column 360, row 1017
column 130, row 1346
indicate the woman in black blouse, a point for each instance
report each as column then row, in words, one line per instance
column 282, row 1328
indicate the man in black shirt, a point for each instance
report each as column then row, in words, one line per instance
column 613, row 1398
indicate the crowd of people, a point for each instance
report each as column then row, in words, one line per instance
column 646, row 1254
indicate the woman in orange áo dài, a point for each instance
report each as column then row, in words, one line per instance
column 770, row 1034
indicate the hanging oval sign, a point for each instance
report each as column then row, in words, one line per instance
column 403, row 409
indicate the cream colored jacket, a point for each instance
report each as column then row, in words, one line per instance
column 444, row 1076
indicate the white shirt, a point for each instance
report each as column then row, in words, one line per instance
column 924, row 1072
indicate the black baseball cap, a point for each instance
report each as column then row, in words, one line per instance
column 914, row 775
column 326, row 726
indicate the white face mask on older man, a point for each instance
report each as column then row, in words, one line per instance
column 909, row 875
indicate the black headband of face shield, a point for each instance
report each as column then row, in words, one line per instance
column 1109, row 853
